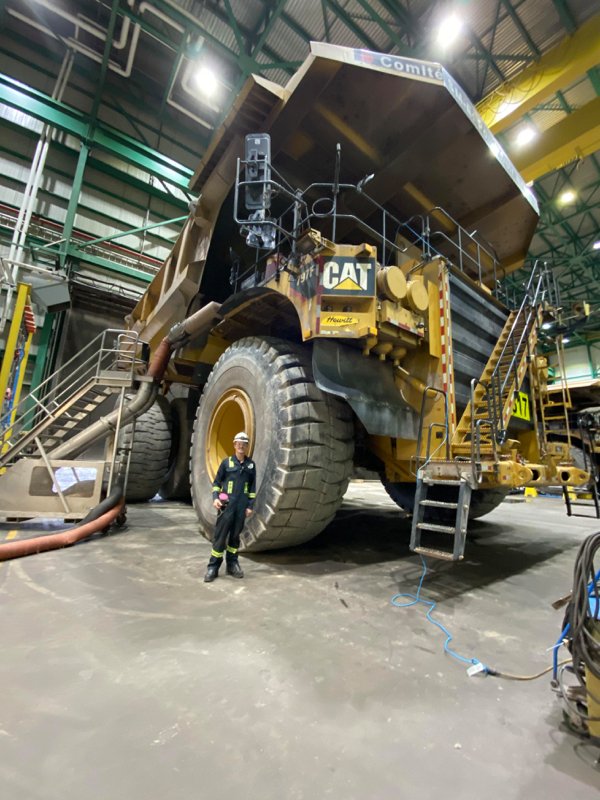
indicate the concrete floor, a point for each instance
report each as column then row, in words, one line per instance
column 125, row 676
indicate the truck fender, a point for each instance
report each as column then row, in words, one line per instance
column 367, row 385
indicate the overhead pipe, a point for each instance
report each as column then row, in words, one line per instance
column 32, row 186
column 37, row 164
column 125, row 72
column 99, row 33
column 144, row 6
column 79, row 21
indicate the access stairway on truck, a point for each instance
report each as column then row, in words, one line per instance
column 39, row 436
column 480, row 430
column 486, row 417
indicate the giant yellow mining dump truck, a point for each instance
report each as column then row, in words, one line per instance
column 350, row 239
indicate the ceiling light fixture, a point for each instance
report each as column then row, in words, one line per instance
column 525, row 136
column 449, row 30
column 566, row 340
column 206, row 81
column 596, row 245
column 567, row 197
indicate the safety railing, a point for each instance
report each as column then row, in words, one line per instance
column 477, row 425
column 113, row 358
column 418, row 460
column 506, row 371
column 511, row 291
column 318, row 206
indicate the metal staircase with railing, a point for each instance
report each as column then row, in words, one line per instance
column 481, row 429
column 40, row 474
column 485, row 419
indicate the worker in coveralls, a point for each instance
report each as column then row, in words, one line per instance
column 234, row 491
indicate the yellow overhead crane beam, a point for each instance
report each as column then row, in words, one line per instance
column 574, row 137
column 555, row 70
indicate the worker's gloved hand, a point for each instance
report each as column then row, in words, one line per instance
column 221, row 501
column 249, row 512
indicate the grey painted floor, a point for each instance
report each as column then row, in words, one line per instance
column 124, row 676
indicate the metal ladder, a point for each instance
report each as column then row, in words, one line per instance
column 458, row 530
column 554, row 414
column 442, row 472
column 590, row 466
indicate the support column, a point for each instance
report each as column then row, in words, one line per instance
column 73, row 203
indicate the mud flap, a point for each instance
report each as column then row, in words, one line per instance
column 367, row 385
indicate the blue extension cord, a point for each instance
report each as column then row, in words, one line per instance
column 416, row 598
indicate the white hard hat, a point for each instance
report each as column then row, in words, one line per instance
column 241, row 437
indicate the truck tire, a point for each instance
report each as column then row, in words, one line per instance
column 578, row 458
column 149, row 461
column 300, row 438
column 588, row 463
column 176, row 485
column 482, row 501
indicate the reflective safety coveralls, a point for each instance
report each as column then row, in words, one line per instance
column 237, row 479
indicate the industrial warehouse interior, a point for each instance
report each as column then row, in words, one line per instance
column 300, row 338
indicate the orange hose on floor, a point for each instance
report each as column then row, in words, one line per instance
column 54, row 541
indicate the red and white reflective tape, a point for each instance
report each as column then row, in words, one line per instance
column 443, row 339
column 446, row 346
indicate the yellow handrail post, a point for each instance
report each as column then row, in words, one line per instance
column 13, row 336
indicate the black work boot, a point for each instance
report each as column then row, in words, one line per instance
column 234, row 569
column 212, row 572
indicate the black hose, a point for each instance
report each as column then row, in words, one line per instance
column 584, row 648
column 110, row 501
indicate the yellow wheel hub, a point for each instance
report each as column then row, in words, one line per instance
column 231, row 414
